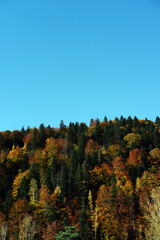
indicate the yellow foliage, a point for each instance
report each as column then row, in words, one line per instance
column 17, row 181
column 57, row 191
column 132, row 138
column 14, row 156
column 155, row 156
column 112, row 150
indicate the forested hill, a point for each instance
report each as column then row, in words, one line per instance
column 80, row 182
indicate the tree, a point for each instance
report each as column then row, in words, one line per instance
column 151, row 210
column 51, row 174
column 3, row 226
column 17, row 212
column 50, row 231
column 64, row 184
column 81, row 148
column 69, row 233
column 34, row 139
column 79, row 181
column 133, row 140
column 27, row 228
column 33, row 192
column 41, row 137
column 157, row 121
column 73, row 168
column 83, row 222
column 97, row 132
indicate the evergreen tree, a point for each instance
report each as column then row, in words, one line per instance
column 79, row 181
column 81, row 148
column 24, row 188
column 51, row 175
column 7, row 202
column 156, row 138
column 64, row 184
column 108, row 135
column 122, row 121
column 25, row 163
column 68, row 234
column 72, row 133
column 97, row 133
column 41, row 137
column 34, row 173
column 73, row 168
column 62, row 129
column 157, row 121
column 83, row 222
column 105, row 119
column 34, row 142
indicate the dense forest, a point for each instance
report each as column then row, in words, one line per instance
column 81, row 182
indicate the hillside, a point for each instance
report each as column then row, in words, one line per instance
column 81, row 182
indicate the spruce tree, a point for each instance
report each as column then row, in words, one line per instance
column 73, row 168
column 97, row 133
column 41, row 137
column 64, row 184
column 83, row 222
column 24, row 188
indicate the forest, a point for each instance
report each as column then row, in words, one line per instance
column 100, row 181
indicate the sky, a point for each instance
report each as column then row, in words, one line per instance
column 78, row 59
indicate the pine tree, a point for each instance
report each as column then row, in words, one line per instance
column 105, row 119
column 68, row 234
column 34, row 142
column 157, row 121
column 73, row 168
column 64, row 184
column 41, row 137
column 24, row 188
column 79, row 181
column 97, row 133
column 81, row 148
column 83, row 222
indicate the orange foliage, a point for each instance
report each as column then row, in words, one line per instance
column 134, row 157
column 18, row 210
column 2, row 218
column 50, row 231
column 28, row 137
column 15, row 156
column 101, row 175
column 91, row 147
column 119, row 167
column 57, row 147
column 106, row 219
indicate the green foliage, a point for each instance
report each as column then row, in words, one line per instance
column 69, row 233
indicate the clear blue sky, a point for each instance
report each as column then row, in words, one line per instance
column 74, row 60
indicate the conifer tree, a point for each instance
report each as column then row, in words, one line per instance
column 34, row 142
column 73, row 168
column 157, row 121
column 24, row 188
column 105, row 119
column 41, row 137
column 81, row 148
column 83, row 222
column 79, row 181
column 97, row 132
column 64, row 184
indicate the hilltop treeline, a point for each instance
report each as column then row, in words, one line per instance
column 80, row 182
